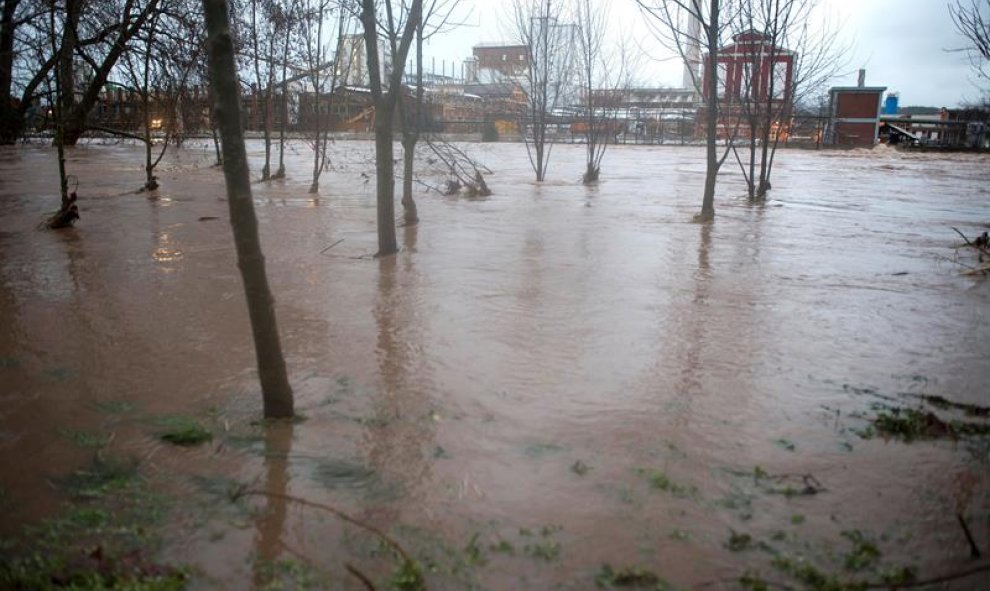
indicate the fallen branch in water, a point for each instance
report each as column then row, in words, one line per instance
column 970, row 270
column 331, row 246
column 974, row 550
column 980, row 244
column 812, row 486
column 360, row 576
column 408, row 566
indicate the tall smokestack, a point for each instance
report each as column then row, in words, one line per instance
column 692, row 54
column 862, row 78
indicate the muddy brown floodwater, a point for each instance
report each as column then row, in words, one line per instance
column 580, row 373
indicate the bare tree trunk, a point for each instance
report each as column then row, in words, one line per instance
column 385, row 101
column 7, row 28
column 150, row 182
column 276, row 391
column 284, row 106
column 410, row 213
column 68, row 212
column 385, row 178
column 10, row 120
column 216, row 144
column 410, row 137
column 711, row 72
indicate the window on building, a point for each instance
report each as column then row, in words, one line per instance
column 747, row 82
column 504, row 57
column 722, row 76
column 780, row 80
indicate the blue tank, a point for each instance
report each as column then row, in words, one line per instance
column 890, row 105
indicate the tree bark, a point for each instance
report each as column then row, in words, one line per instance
column 410, row 213
column 276, row 391
column 385, row 179
column 711, row 71
column 10, row 120
column 410, row 137
column 385, row 101
column 7, row 27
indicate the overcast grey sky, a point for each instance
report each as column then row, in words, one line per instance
column 902, row 44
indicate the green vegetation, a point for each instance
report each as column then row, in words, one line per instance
column 659, row 480
column 739, row 542
column 87, row 439
column 864, row 553
column 115, row 407
column 285, row 575
column 503, row 547
column 9, row 362
column 183, row 431
column 538, row 450
column 580, row 468
column 99, row 541
column 785, row 444
column 102, row 476
column 910, row 424
column 544, row 546
column 629, row 576
column 473, row 553
column 37, row 573
column 679, row 534
column 752, row 581
column 408, row 576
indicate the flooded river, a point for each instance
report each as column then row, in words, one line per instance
column 541, row 382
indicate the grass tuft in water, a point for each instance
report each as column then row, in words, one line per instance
column 659, row 480
column 864, row 553
column 629, row 577
column 183, row 431
column 473, row 553
column 102, row 476
column 408, row 577
column 739, row 542
column 89, row 573
column 580, row 468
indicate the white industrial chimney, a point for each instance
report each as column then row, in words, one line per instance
column 692, row 53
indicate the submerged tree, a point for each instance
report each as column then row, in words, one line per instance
column 68, row 211
column 276, row 391
column 285, row 17
column 398, row 27
column 326, row 71
column 710, row 21
column 463, row 174
column 157, row 70
column 604, row 79
column 788, row 62
column 436, row 14
column 549, row 44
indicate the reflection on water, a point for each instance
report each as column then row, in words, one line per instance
column 270, row 521
column 531, row 360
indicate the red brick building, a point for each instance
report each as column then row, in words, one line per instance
column 755, row 79
column 510, row 60
column 854, row 115
column 745, row 68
